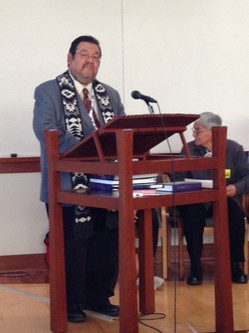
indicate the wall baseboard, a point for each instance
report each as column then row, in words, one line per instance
column 24, row 261
column 33, row 268
column 25, row 268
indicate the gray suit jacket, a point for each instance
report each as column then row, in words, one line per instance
column 49, row 114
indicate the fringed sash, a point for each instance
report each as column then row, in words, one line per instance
column 83, row 218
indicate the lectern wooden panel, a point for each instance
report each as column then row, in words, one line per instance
column 126, row 137
column 148, row 131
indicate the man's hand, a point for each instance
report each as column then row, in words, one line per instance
column 231, row 190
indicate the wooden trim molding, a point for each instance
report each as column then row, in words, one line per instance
column 20, row 164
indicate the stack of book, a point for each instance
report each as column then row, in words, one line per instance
column 180, row 186
column 111, row 183
column 205, row 183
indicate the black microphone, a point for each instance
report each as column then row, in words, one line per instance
column 137, row 95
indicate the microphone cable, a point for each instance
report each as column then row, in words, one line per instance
column 173, row 213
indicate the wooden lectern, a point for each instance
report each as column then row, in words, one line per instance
column 122, row 147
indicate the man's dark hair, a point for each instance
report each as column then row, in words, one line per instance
column 88, row 39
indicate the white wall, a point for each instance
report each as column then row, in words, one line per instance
column 24, row 221
column 192, row 56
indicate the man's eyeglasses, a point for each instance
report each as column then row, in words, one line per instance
column 86, row 56
column 198, row 131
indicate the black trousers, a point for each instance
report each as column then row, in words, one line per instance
column 92, row 264
column 193, row 217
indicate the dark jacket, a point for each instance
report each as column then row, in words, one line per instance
column 237, row 167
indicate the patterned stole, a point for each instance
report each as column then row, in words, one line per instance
column 83, row 218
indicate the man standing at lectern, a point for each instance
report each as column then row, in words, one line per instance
column 75, row 103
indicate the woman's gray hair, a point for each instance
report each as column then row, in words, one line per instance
column 209, row 119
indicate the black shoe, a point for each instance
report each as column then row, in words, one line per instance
column 105, row 308
column 195, row 275
column 238, row 276
column 76, row 316
column 194, row 280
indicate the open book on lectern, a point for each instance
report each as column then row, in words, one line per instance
column 148, row 131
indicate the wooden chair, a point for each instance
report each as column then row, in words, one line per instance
column 166, row 247
column 245, row 206
column 163, row 234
